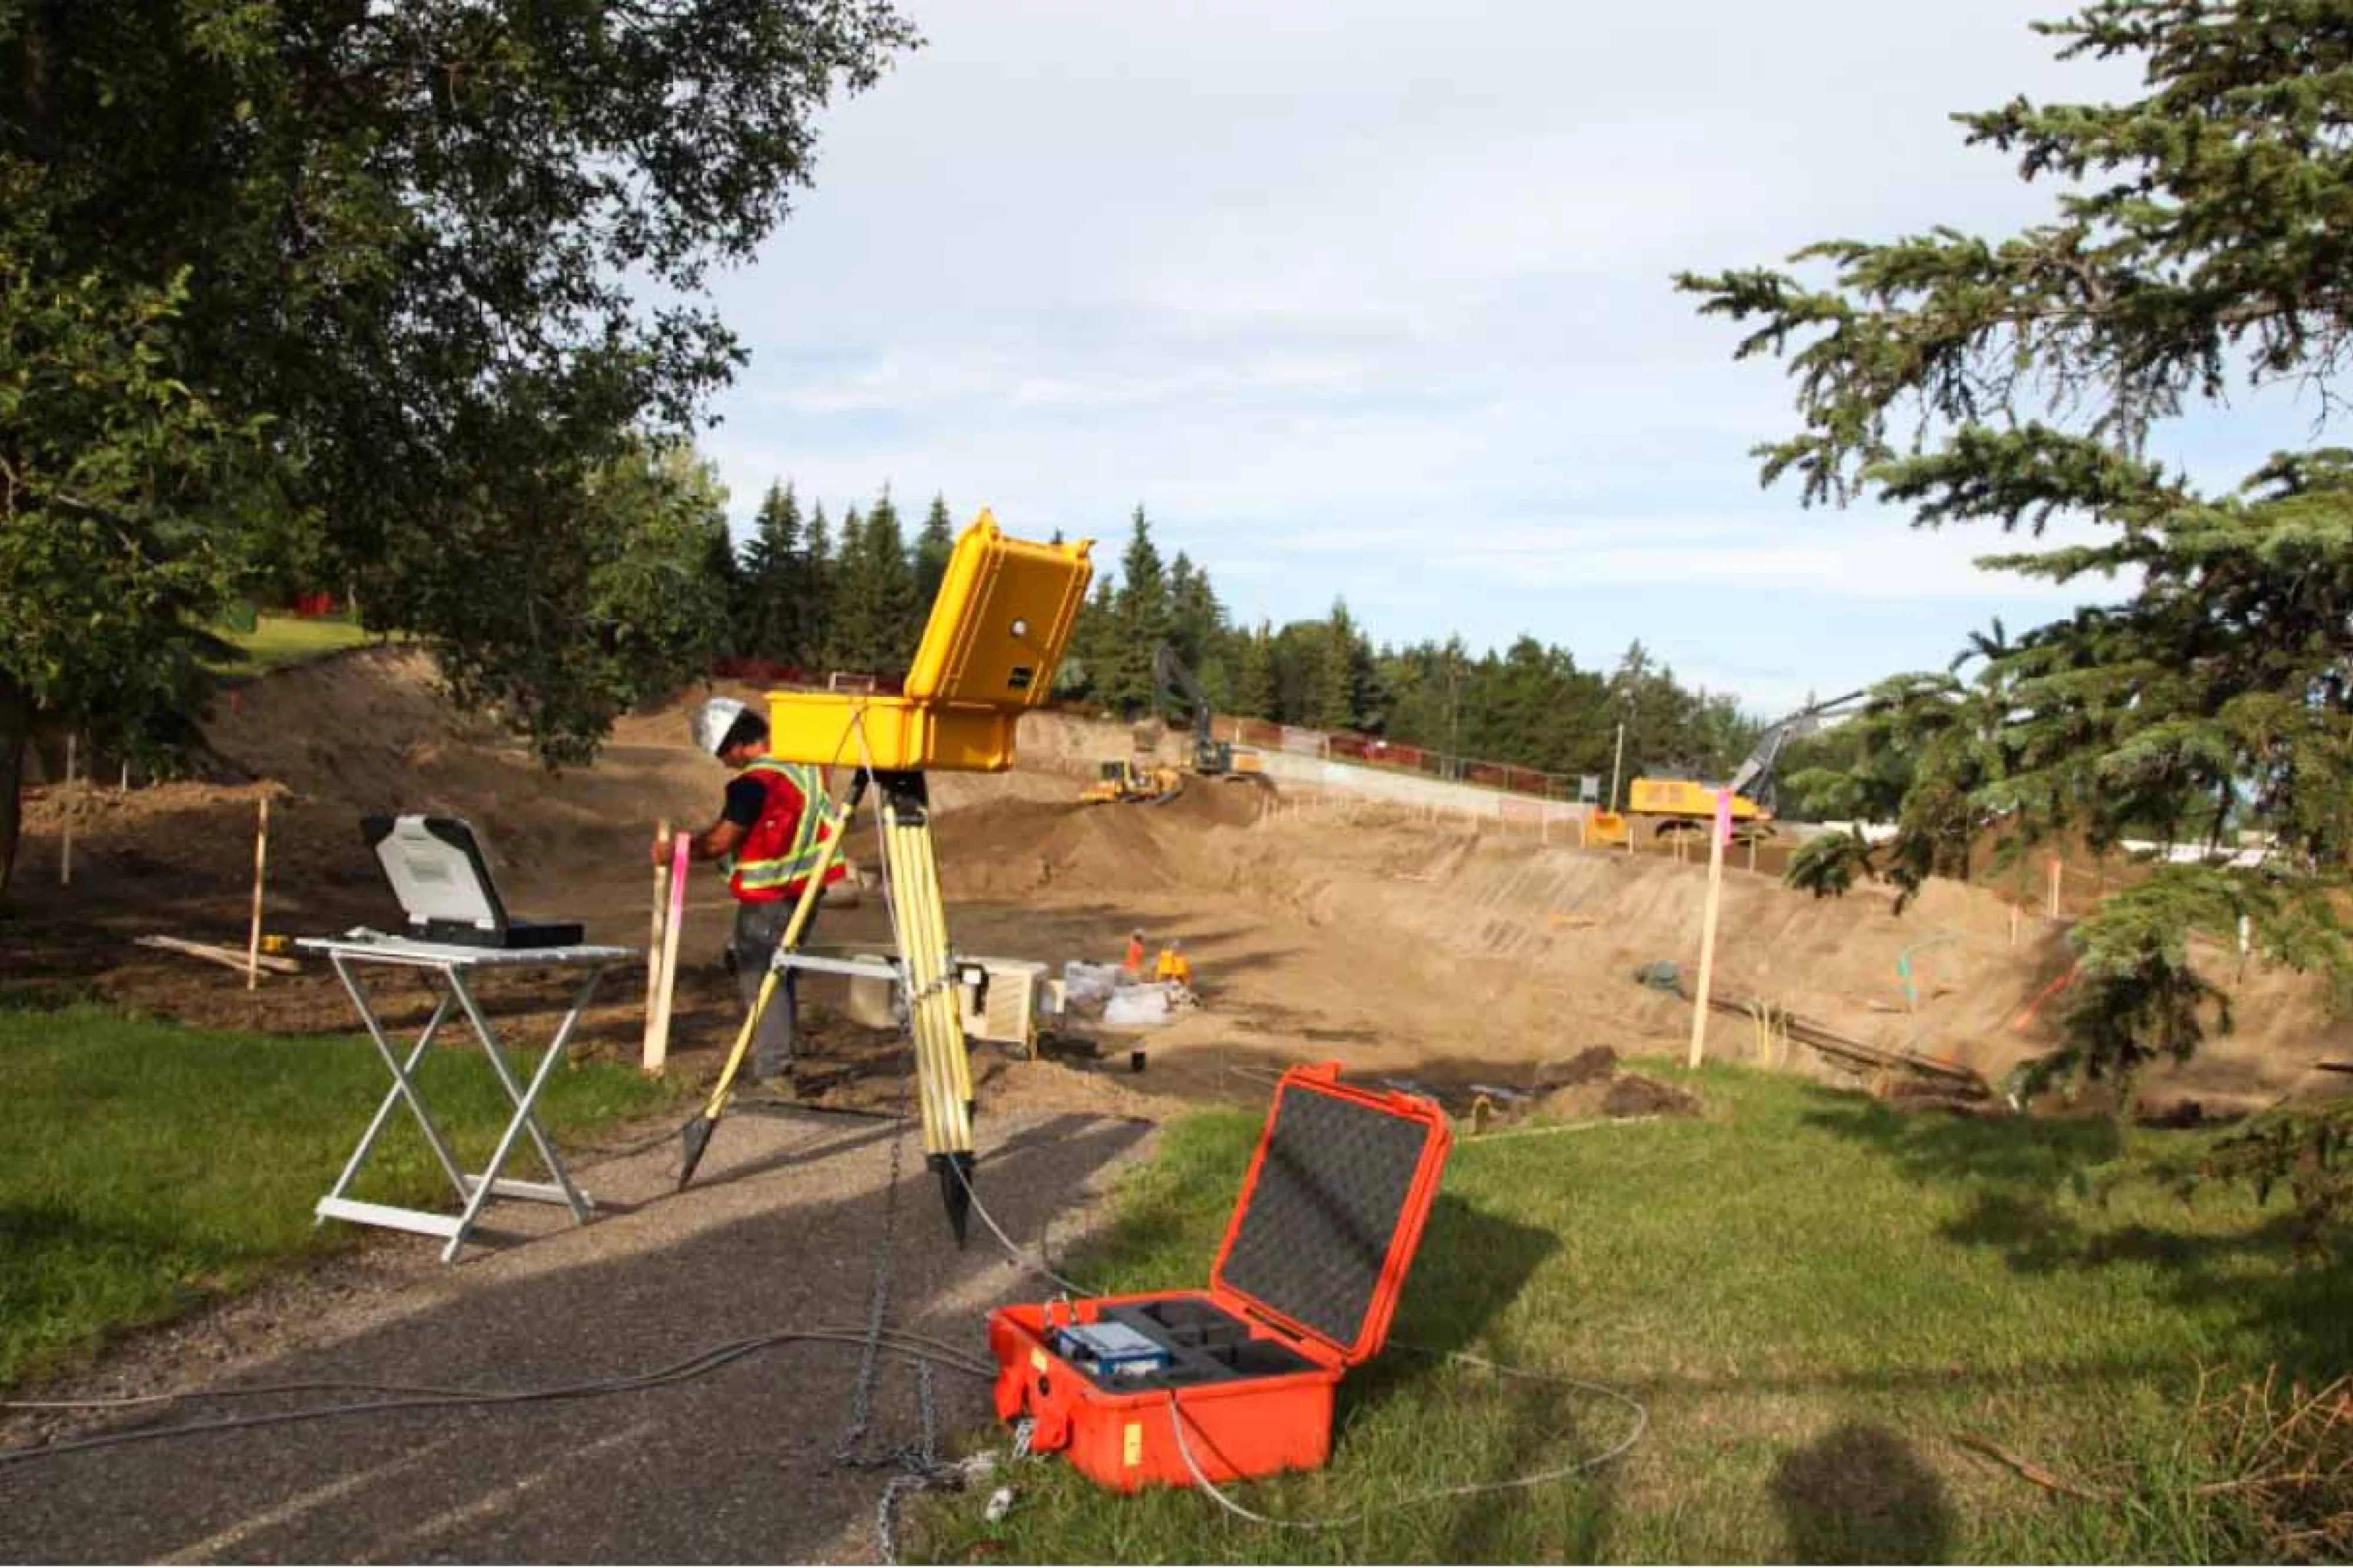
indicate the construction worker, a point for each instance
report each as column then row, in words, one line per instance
column 1134, row 965
column 768, row 838
column 1174, row 967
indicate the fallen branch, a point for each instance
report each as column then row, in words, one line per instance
column 229, row 956
column 2027, row 1469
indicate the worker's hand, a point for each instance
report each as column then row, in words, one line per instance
column 661, row 850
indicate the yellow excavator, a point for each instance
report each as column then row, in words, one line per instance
column 1671, row 805
column 1144, row 783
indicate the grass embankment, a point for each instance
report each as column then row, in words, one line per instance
column 279, row 640
column 1817, row 1297
column 147, row 1167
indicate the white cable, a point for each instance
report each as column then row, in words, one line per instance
column 1540, row 1478
column 1415, row 1499
column 1012, row 1248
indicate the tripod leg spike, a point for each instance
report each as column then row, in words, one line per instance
column 956, row 1191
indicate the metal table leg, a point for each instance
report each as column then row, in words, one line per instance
column 479, row 1190
column 335, row 1206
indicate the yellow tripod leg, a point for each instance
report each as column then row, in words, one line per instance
column 696, row 1134
column 942, row 1072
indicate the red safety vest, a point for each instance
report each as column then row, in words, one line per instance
column 786, row 843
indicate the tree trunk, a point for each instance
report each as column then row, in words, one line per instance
column 15, row 727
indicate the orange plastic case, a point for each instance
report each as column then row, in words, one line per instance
column 1303, row 1287
column 998, row 628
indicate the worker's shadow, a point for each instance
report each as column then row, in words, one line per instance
column 1862, row 1495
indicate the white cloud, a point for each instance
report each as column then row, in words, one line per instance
column 1322, row 283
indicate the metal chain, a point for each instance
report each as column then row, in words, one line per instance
column 850, row 1451
column 921, row 1467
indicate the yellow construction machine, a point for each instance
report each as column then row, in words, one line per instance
column 1142, row 781
column 1671, row 805
column 1135, row 782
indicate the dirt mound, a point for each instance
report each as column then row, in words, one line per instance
column 1392, row 944
column 1595, row 1064
column 1616, row 1098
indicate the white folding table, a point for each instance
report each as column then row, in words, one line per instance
column 453, row 964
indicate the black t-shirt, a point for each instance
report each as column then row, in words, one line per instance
column 745, row 797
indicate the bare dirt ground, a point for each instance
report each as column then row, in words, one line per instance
column 1368, row 934
column 1400, row 946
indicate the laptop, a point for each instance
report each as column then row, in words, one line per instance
column 436, row 871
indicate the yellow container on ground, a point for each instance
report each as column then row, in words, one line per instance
column 1004, row 614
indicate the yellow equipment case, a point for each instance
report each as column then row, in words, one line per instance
column 1004, row 614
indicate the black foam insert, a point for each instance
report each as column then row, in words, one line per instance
column 1325, row 1210
column 1205, row 1344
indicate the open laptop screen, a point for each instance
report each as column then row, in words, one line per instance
column 436, row 871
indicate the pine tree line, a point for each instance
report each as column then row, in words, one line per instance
column 807, row 595
column 1530, row 706
column 803, row 594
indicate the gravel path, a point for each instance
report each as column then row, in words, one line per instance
column 779, row 1232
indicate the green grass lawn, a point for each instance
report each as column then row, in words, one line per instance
column 1815, row 1296
column 278, row 640
column 147, row 1167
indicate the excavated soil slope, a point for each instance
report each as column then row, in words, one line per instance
column 1397, row 944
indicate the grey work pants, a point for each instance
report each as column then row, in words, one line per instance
column 758, row 928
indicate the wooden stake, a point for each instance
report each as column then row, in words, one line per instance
column 658, row 1048
column 260, row 860
column 2054, row 887
column 65, row 802
column 2013, row 925
column 228, row 956
column 125, row 788
column 654, row 946
column 1721, row 831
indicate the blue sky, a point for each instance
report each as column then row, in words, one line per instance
column 1372, row 300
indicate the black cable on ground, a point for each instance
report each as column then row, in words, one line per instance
column 907, row 1347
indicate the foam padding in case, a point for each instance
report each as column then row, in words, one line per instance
column 1320, row 1223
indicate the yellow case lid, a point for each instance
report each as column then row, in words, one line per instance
column 1004, row 614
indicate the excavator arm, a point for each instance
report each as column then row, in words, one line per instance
column 1170, row 678
column 1755, row 778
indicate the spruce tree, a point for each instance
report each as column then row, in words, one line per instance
column 769, row 625
column 722, row 579
column 1095, row 665
column 1335, row 677
column 1197, row 621
column 891, row 586
column 933, row 545
column 1254, row 682
column 2008, row 382
column 815, row 617
column 856, row 620
column 1143, row 619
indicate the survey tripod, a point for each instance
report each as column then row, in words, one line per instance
column 924, row 972
column 1004, row 614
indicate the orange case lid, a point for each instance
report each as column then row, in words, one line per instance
column 1332, row 1209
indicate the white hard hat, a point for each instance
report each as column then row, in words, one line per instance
column 713, row 720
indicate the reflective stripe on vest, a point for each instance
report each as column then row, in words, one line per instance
column 806, row 848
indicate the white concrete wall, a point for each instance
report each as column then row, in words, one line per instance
column 1291, row 771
